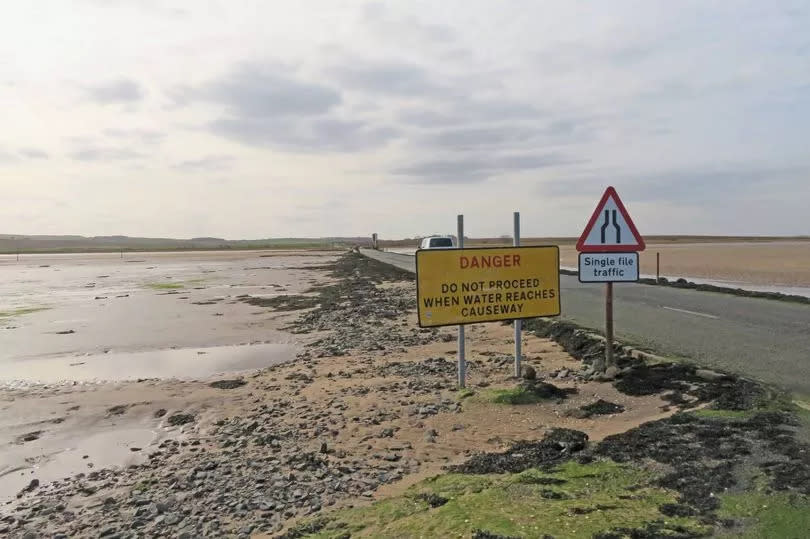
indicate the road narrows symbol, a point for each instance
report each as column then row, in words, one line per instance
column 610, row 228
column 611, row 214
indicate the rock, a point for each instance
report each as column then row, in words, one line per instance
column 563, row 373
column 324, row 448
column 386, row 433
column 180, row 419
column 228, row 384
column 602, row 407
column 160, row 413
column 611, row 372
column 529, row 373
column 710, row 376
column 172, row 519
column 33, row 485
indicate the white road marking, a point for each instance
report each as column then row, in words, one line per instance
column 691, row 312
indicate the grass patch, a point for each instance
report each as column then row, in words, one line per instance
column 464, row 394
column 766, row 516
column 165, row 286
column 525, row 393
column 21, row 311
column 516, row 395
column 575, row 500
column 711, row 413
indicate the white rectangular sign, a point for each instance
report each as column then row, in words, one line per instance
column 608, row 267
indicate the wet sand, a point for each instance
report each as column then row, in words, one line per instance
column 85, row 317
column 75, row 328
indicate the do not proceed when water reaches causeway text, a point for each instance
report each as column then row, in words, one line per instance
column 487, row 298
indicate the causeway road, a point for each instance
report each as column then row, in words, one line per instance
column 765, row 339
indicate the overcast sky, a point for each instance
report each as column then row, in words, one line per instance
column 323, row 118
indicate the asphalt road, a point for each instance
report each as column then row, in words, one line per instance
column 765, row 339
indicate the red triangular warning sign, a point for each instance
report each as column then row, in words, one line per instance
column 610, row 228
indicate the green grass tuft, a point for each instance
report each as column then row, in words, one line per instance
column 766, row 516
column 575, row 500
column 21, row 311
column 517, row 395
column 165, row 286
column 464, row 394
column 711, row 413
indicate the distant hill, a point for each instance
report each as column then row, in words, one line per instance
column 11, row 243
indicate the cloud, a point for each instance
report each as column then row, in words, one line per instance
column 117, row 91
column 268, row 105
column 477, row 169
column 709, row 185
column 265, row 91
column 7, row 158
column 467, row 111
column 104, row 154
column 209, row 163
column 399, row 79
column 323, row 134
column 34, row 153
column 466, row 138
column 144, row 136
column 379, row 18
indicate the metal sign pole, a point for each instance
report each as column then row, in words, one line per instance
column 518, row 323
column 657, row 268
column 462, row 360
column 609, row 325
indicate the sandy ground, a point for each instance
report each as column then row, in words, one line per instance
column 784, row 264
column 50, row 432
column 767, row 265
column 90, row 426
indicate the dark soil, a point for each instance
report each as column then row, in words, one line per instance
column 544, row 390
column 483, row 534
column 291, row 302
column 572, row 338
column 653, row 530
column 29, row 437
column 180, row 419
column 556, row 447
column 117, row 410
column 433, row 500
column 704, row 453
column 602, row 407
column 726, row 393
column 228, row 384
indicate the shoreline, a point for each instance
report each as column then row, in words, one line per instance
column 364, row 415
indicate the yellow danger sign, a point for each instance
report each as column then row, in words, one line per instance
column 465, row 286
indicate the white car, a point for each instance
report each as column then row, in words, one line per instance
column 438, row 242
